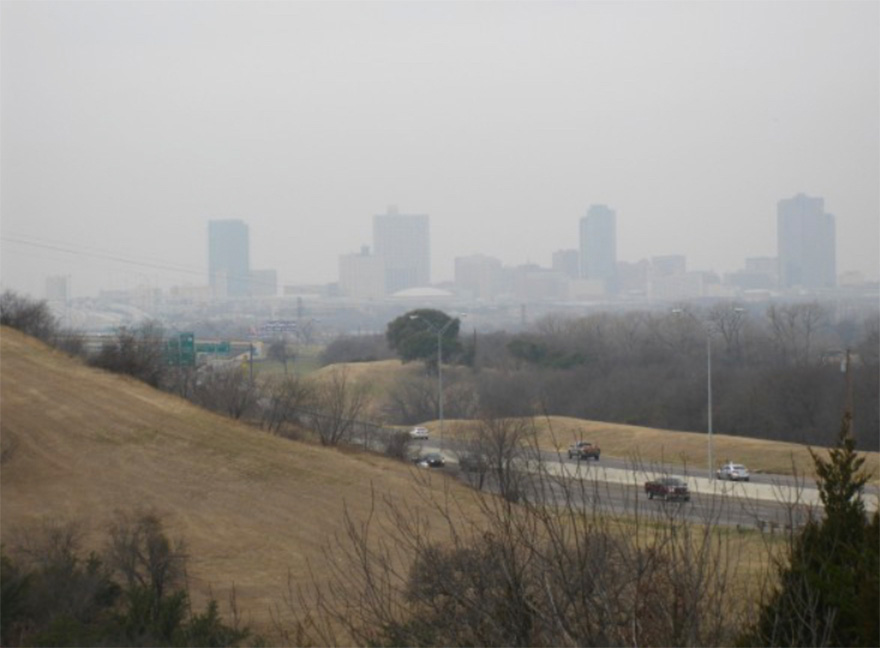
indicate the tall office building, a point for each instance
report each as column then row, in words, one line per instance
column 598, row 246
column 403, row 243
column 229, row 266
column 805, row 240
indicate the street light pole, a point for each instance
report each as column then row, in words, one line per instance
column 708, row 326
column 679, row 311
column 439, row 332
column 709, row 391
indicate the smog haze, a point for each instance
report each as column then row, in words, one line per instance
column 127, row 126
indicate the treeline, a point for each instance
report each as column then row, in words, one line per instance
column 133, row 592
column 776, row 373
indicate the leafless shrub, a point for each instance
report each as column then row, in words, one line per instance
column 62, row 582
column 29, row 316
column 142, row 554
column 397, row 445
column 336, row 407
column 71, row 342
column 137, row 352
column 413, row 399
column 226, row 389
column 283, row 401
column 555, row 568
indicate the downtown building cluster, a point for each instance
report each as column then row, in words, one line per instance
column 399, row 264
column 396, row 268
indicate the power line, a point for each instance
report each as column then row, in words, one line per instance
column 58, row 247
column 108, row 256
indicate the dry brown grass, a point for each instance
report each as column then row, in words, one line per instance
column 251, row 506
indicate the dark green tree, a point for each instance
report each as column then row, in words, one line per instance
column 414, row 336
column 829, row 588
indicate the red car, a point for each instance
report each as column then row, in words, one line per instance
column 668, row 488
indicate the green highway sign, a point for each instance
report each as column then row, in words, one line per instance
column 212, row 347
column 180, row 351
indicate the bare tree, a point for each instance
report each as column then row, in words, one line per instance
column 284, row 401
column 413, row 399
column 142, row 554
column 793, row 328
column 281, row 351
column 502, row 444
column 229, row 390
column 728, row 320
column 337, row 405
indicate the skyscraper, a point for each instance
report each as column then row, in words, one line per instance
column 229, row 266
column 403, row 242
column 805, row 240
column 598, row 246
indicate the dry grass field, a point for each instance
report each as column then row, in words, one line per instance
column 80, row 444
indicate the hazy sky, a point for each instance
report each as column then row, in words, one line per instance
column 126, row 126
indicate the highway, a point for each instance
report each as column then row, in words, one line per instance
column 767, row 502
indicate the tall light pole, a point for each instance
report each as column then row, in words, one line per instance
column 439, row 332
column 709, row 398
column 708, row 326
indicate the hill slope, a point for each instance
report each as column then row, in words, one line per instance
column 82, row 443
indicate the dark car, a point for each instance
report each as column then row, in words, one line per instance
column 430, row 460
column 668, row 488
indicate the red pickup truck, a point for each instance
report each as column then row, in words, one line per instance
column 668, row 488
column 584, row 450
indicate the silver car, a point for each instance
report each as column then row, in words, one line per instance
column 733, row 472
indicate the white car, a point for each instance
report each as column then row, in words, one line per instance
column 419, row 433
column 733, row 472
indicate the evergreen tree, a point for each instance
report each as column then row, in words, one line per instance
column 829, row 591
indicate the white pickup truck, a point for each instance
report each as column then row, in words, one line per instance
column 733, row 472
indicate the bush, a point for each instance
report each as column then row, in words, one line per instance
column 361, row 348
column 29, row 316
column 52, row 596
column 138, row 352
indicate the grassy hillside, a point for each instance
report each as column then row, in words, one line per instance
column 80, row 444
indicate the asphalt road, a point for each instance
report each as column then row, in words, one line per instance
column 768, row 502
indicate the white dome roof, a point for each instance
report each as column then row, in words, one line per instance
column 422, row 292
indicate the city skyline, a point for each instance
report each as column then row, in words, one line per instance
column 805, row 236
column 127, row 126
